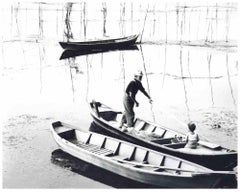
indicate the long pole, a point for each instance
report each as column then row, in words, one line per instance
column 144, row 25
column 144, row 66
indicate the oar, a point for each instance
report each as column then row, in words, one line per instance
column 144, row 67
column 175, row 169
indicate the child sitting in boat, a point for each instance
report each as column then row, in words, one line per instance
column 192, row 137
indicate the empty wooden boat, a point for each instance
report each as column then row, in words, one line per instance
column 135, row 162
column 74, row 53
column 163, row 139
column 100, row 44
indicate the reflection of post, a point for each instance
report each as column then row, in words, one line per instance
column 184, row 86
column 166, row 24
column 68, row 32
column 209, row 73
column 181, row 38
column 71, row 63
column 145, row 71
column 123, row 70
column 198, row 25
column 41, row 50
column 40, row 21
column 154, row 20
column 227, row 24
column 104, row 10
column 177, row 21
column 11, row 20
column 131, row 17
column 18, row 30
column 84, row 20
column 122, row 19
column 87, row 91
column 165, row 64
column 216, row 20
column 229, row 81
column 189, row 65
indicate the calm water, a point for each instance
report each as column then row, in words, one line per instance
column 188, row 56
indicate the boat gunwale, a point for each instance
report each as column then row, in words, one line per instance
column 116, row 161
column 102, row 42
column 230, row 152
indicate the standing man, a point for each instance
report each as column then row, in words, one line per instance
column 129, row 100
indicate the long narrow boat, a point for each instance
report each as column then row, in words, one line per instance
column 135, row 162
column 100, row 44
column 74, row 53
column 163, row 139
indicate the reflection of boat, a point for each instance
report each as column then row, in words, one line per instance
column 135, row 162
column 100, row 44
column 163, row 139
column 74, row 53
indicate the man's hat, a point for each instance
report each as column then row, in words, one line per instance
column 138, row 74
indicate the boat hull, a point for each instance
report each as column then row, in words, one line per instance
column 104, row 44
column 226, row 161
column 156, row 179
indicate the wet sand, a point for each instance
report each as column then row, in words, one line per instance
column 27, row 148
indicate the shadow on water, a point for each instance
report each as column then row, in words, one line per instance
column 93, row 172
column 85, row 169
column 71, row 53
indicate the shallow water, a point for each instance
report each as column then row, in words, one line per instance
column 186, row 82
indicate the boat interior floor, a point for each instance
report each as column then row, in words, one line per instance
column 200, row 150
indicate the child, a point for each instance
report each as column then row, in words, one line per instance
column 192, row 137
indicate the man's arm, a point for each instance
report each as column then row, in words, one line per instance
column 142, row 89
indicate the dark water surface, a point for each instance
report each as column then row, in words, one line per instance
column 189, row 63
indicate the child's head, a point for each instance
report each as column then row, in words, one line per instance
column 191, row 126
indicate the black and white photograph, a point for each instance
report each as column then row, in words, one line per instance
column 101, row 94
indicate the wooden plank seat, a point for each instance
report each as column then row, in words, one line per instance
column 95, row 149
column 123, row 152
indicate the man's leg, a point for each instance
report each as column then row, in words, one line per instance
column 129, row 113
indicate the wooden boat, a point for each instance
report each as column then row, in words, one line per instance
column 100, row 44
column 74, row 53
column 135, row 162
column 163, row 139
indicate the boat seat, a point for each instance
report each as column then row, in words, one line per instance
column 124, row 152
column 149, row 129
column 159, row 132
column 115, row 123
column 154, row 159
column 139, row 124
column 95, row 149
